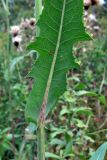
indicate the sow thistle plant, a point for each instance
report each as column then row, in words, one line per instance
column 60, row 26
column 23, row 33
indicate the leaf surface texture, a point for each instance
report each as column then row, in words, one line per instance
column 61, row 25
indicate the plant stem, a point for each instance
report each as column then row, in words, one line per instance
column 41, row 141
column 22, row 149
column 38, row 8
column 8, row 27
column 99, row 131
column 6, row 9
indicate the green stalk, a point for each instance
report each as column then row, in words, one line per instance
column 41, row 141
column 22, row 149
column 8, row 27
column 38, row 8
column 8, row 46
column 6, row 9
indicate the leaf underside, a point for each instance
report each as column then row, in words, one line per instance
column 61, row 25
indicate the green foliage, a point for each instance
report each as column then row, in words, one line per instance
column 51, row 155
column 77, row 125
column 38, row 8
column 5, row 138
column 60, row 26
column 100, row 153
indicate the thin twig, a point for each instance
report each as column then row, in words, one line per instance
column 99, row 131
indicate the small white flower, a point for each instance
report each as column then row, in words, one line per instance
column 87, row 2
column 85, row 13
column 84, row 49
column 97, row 28
column 15, row 30
column 16, row 41
column 25, row 24
column 27, row 130
column 92, row 17
column 101, row 2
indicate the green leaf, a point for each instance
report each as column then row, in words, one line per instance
column 100, row 153
column 68, row 97
column 51, row 155
column 64, row 111
column 83, row 110
column 68, row 149
column 56, row 141
column 58, row 132
column 61, row 25
column 38, row 8
column 17, row 60
column 80, row 86
column 79, row 123
column 88, row 93
column 102, row 99
column 89, row 139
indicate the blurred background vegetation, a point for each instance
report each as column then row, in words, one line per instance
column 79, row 126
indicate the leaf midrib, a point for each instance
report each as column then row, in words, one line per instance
column 45, row 99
